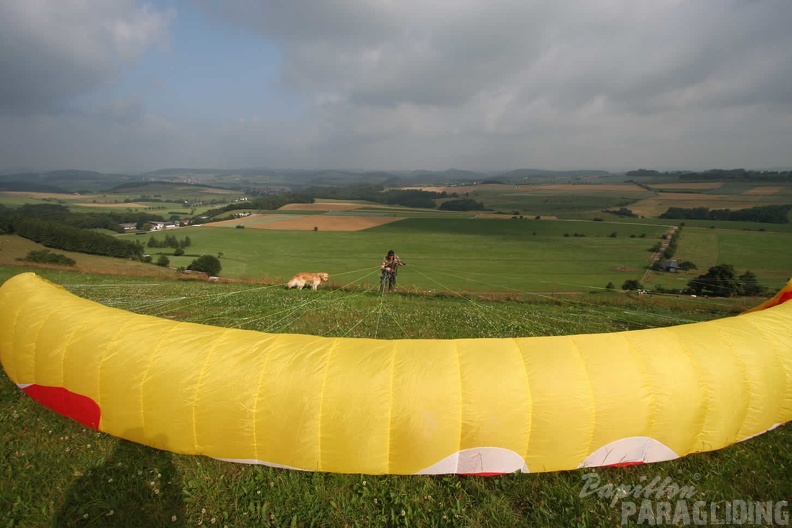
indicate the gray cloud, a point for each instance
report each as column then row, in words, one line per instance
column 52, row 51
column 636, row 54
column 412, row 84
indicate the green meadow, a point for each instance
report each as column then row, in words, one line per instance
column 446, row 254
column 474, row 254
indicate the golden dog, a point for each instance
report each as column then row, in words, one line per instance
column 314, row 279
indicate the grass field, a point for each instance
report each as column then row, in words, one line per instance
column 446, row 254
column 487, row 255
column 56, row 472
column 765, row 253
column 460, row 255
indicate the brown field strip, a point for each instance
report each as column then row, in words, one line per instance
column 112, row 205
column 764, row 190
column 583, row 188
column 556, row 188
column 308, row 222
column 321, row 206
column 330, row 223
column 48, row 196
column 698, row 186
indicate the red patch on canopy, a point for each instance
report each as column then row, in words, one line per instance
column 626, row 464
column 785, row 297
column 76, row 406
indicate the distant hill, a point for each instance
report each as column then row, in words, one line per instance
column 146, row 186
column 63, row 181
column 427, row 177
column 24, row 183
column 277, row 180
column 291, row 178
column 527, row 175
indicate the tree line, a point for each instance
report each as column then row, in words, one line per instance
column 406, row 197
column 68, row 238
column 719, row 175
column 770, row 214
column 170, row 241
column 56, row 227
column 101, row 220
column 377, row 194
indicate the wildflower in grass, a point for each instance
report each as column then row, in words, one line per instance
column 173, row 519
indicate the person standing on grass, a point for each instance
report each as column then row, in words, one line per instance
column 390, row 264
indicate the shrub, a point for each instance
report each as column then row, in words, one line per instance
column 722, row 281
column 45, row 256
column 464, row 204
column 631, row 285
column 207, row 264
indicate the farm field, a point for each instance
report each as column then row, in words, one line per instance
column 659, row 204
column 503, row 249
column 298, row 222
column 589, row 199
column 63, row 474
column 764, row 253
column 452, row 255
column 442, row 254
column 483, row 254
column 166, row 202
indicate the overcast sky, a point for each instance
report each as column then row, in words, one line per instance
column 131, row 86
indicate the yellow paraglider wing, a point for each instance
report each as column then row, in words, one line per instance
column 400, row 406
